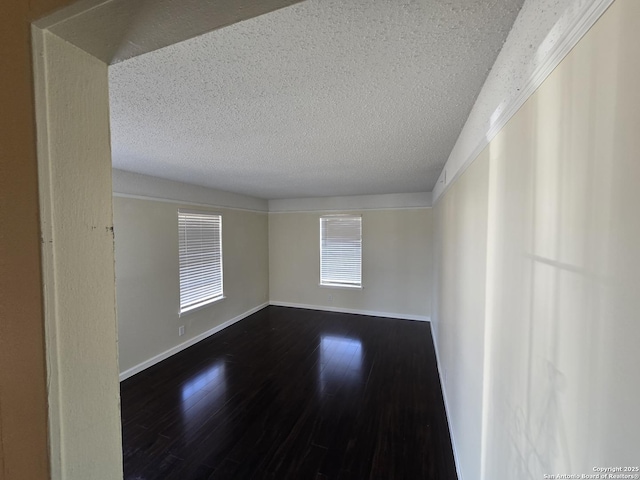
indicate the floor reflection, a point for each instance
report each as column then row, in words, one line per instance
column 340, row 362
column 292, row 394
column 204, row 394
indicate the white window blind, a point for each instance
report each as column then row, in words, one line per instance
column 341, row 250
column 200, row 247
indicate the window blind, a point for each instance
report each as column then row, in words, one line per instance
column 341, row 250
column 200, row 252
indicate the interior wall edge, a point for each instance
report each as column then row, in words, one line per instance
column 569, row 32
column 560, row 272
column 351, row 202
column 447, row 408
column 355, row 311
column 77, row 259
column 348, row 210
column 146, row 187
column 178, row 348
column 117, row 30
column 47, row 251
column 138, row 185
column 192, row 341
column 185, row 202
column 67, row 12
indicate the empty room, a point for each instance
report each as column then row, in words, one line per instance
column 320, row 240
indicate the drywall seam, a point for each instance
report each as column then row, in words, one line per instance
column 574, row 30
column 446, row 406
column 47, row 261
column 180, row 202
column 178, row 348
column 370, row 313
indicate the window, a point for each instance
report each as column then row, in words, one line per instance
column 341, row 250
column 200, row 247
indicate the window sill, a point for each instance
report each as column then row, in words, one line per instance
column 348, row 287
column 200, row 306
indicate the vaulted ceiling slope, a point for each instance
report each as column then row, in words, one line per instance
column 322, row 98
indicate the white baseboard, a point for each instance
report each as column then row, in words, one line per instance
column 402, row 316
column 456, row 458
column 178, row 348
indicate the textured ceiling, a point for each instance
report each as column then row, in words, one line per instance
column 116, row 30
column 322, row 98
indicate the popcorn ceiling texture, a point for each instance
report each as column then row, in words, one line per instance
column 536, row 32
column 323, row 98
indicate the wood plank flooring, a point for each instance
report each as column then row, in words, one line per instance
column 292, row 394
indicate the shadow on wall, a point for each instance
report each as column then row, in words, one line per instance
column 563, row 263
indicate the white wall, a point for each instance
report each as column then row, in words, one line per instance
column 147, row 277
column 460, row 245
column 74, row 170
column 396, row 263
column 559, row 330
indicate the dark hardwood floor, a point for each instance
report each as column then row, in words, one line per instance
column 292, row 394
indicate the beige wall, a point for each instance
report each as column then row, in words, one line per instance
column 23, row 435
column 23, row 397
column 559, row 375
column 147, row 277
column 460, row 243
column 74, row 161
column 396, row 263
column 24, row 449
